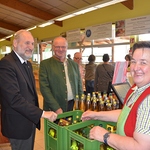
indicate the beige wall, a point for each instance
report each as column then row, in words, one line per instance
column 108, row 14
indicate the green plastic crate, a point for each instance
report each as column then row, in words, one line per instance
column 86, row 143
column 61, row 140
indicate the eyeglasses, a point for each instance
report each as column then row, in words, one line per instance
column 77, row 58
column 60, row 47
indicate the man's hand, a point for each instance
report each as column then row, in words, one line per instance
column 50, row 115
column 59, row 111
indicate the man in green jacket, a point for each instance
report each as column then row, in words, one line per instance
column 59, row 79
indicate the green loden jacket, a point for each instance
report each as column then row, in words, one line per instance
column 53, row 83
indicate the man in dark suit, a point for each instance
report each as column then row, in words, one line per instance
column 20, row 109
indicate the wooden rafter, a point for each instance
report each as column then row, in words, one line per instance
column 2, row 35
column 59, row 23
column 28, row 9
column 10, row 26
column 128, row 4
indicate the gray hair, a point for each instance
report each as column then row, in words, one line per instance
column 18, row 33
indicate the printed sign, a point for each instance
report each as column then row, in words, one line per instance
column 98, row 31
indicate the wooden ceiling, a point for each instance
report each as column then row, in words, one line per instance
column 23, row 14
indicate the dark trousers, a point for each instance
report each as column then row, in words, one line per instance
column 27, row 144
column 89, row 85
column 70, row 105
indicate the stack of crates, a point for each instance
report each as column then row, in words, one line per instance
column 65, row 135
column 59, row 140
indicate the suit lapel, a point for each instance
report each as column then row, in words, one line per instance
column 32, row 76
column 20, row 66
column 31, row 73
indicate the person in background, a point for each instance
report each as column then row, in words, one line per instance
column 128, row 59
column 103, row 75
column 128, row 74
column 69, row 56
column 19, row 101
column 133, row 126
column 90, row 69
column 78, row 59
column 59, row 79
column 5, row 55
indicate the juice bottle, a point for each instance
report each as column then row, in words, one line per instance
column 76, row 103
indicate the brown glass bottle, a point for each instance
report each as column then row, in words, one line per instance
column 104, row 95
column 94, row 104
column 101, row 106
column 82, row 104
column 88, row 104
column 63, row 122
column 76, row 103
column 114, row 104
column 93, row 95
column 108, row 106
column 88, row 96
column 110, row 97
column 99, row 97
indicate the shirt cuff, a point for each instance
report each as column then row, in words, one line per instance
column 43, row 114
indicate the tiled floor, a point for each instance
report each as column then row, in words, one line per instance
column 39, row 139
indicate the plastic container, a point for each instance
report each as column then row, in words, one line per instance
column 57, row 139
column 82, row 141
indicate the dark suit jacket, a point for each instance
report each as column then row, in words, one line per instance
column 20, row 108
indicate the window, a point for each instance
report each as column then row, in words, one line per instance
column 120, row 51
column 100, row 51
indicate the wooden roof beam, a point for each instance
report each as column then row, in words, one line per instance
column 59, row 23
column 10, row 26
column 2, row 35
column 128, row 4
column 28, row 9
